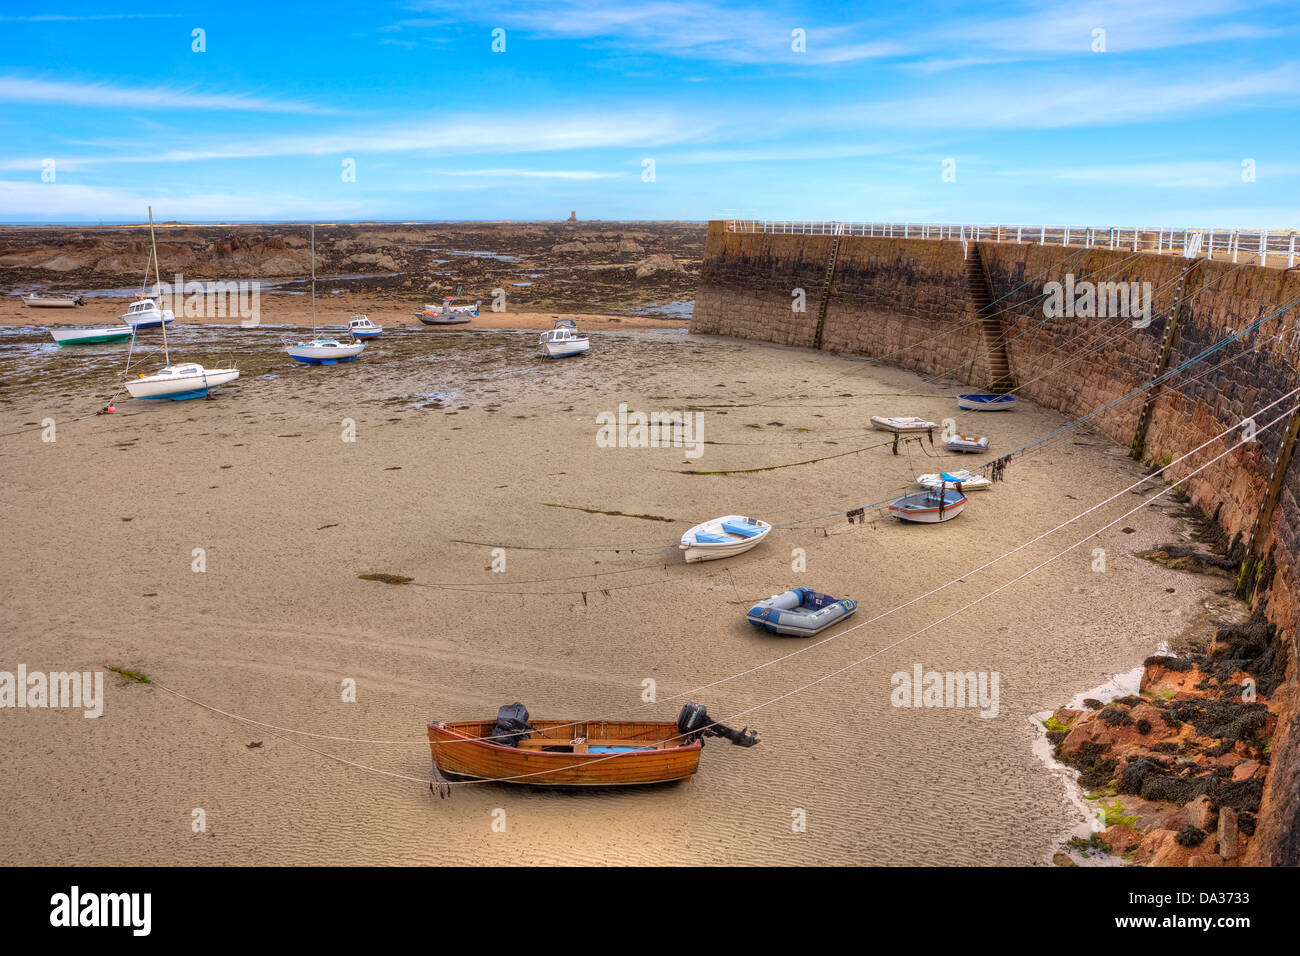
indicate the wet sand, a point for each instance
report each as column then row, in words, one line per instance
column 465, row 435
column 332, row 313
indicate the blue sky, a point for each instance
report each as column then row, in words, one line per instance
column 1039, row 127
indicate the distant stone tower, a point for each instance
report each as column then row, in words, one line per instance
column 573, row 216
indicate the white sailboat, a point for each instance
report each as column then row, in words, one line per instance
column 176, row 382
column 323, row 350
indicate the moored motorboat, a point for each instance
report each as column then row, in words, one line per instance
column 800, row 612
column 929, row 507
column 576, row 753
column 94, row 335
column 360, row 327
column 901, row 424
column 144, row 313
column 323, row 351
column 563, row 342
column 968, row 444
column 986, row 403
column 723, row 537
column 448, row 314
column 53, row 301
column 969, row 480
column 179, row 382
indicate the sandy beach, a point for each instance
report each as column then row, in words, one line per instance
column 466, row 441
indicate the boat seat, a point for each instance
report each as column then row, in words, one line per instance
column 744, row 530
column 708, row 537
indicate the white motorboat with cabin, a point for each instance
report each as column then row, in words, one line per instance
column 360, row 327
column 563, row 342
column 144, row 313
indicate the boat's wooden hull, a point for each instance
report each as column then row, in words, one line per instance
column 457, row 753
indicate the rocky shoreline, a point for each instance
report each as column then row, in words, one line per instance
column 1174, row 775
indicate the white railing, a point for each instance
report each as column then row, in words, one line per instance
column 1269, row 247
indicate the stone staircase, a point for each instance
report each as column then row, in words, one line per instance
column 996, row 364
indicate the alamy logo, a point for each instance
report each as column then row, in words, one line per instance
column 655, row 430
column 213, row 300
column 103, row 909
column 55, row 689
column 1089, row 300
column 923, row 688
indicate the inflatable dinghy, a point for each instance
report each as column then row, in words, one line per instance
column 800, row 612
column 968, row 444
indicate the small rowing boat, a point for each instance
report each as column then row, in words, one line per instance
column 800, row 612
column 723, row 537
column 986, row 403
column 929, row 507
column 448, row 314
column 576, row 753
column 96, row 335
column 968, row 444
column 969, row 480
column 900, row 424
column 53, row 301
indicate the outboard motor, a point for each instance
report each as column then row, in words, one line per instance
column 694, row 722
column 512, row 725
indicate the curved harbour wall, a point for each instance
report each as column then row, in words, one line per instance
column 916, row 303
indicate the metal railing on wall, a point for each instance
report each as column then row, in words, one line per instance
column 1267, row 247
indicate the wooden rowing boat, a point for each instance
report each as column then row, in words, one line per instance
column 579, row 753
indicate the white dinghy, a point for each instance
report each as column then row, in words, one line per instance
column 969, row 480
column 35, row 301
column 929, row 507
column 899, row 424
column 723, row 537
column 986, row 402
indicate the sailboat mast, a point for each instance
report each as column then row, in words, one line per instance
column 158, row 272
column 313, row 275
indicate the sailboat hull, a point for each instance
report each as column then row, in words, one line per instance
column 180, row 388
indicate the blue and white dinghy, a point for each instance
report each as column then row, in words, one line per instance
column 986, row 403
column 723, row 537
column 969, row 480
column 800, row 612
column 968, row 444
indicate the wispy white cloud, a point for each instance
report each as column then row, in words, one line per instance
column 528, row 173
column 1062, row 101
column 706, row 29
column 57, row 202
column 1163, row 175
column 1050, row 28
column 463, row 135
column 17, row 89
